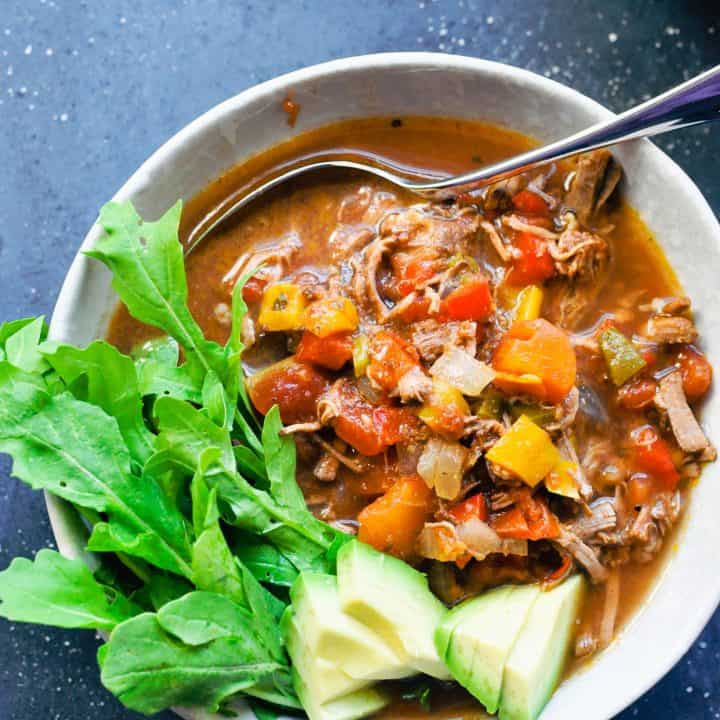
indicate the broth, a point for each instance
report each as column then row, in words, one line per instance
column 308, row 209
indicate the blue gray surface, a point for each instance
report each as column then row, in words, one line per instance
column 89, row 89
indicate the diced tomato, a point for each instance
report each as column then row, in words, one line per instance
column 471, row 300
column 473, row 507
column 393, row 522
column 649, row 356
column 651, row 454
column 539, row 349
column 331, row 352
column 526, row 201
column 638, row 393
column 419, row 309
column 533, row 264
column 390, row 358
column 412, row 269
column 292, row 385
column 696, row 372
column 369, row 428
column 254, row 289
column 529, row 519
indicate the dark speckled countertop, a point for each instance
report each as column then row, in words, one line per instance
column 89, row 89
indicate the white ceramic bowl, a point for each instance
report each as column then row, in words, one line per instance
column 447, row 85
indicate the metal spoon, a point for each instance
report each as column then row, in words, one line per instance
column 693, row 102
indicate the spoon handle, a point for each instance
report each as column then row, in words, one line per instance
column 693, row 102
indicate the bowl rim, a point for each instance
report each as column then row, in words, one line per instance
column 68, row 538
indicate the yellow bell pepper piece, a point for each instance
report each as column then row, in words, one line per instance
column 331, row 315
column 445, row 410
column 529, row 303
column 282, row 308
column 562, row 480
column 526, row 451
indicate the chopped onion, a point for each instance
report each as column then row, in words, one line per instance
column 441, row 466
column 481, row 540
column 463, row 371
column 439, row 541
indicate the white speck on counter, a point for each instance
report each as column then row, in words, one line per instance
column 490, row 20
column 10, row 71
column 49, row 52
column 612, row 37
column 28, row 50
column 670, row 30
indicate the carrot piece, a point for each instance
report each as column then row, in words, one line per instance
column 472, row 300
column 651, row 454
column 473, row 507
column 533, row 264
column 393, row 521
column 526, row 201
column 331, row 352
column 538, row 348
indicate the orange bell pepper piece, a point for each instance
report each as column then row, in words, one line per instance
column 540, row 349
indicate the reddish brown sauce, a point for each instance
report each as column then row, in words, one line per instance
column 309, row 209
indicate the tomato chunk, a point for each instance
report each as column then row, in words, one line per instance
column 291, row 385
column 369, row 428
column 530, row 203
column 529, row 519
column 393, row 522
column 331, row 352
column 651, row 454
column 471, row 300
column 533, row 264
column 390, row 358
column 412, row 269
column 696, row 372
column 540, row 350
column 254, row 289
column 473, row 507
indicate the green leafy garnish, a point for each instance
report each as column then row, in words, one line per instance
column 54, row 590
column 175, row 477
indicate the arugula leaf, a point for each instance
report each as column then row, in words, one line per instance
column 9, row 328
column 21, row 395
column 111, row 383
column 263, row 711
column 163, row 589
column 216, row 402
column 54, row 590
column 234, row 348
column 146, row 259
column 264, row 561
column 149, row 670
column 250, row 465
column 201, row 617
column 75, row 451
column 22, row 345
column 185, row 433
column 280, row 462
column 156, row 362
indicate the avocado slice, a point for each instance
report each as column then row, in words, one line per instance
column 394, row 600
column 332, row 635
column 322, row 681
column 358, row 704
column 538, row 657
column 476, row 637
